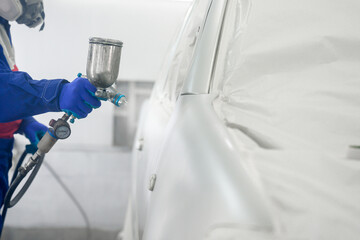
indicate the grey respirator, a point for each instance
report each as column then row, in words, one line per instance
column 33, row 13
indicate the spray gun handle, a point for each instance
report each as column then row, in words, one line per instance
column 60, row 129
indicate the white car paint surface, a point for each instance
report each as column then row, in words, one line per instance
column 248, row 127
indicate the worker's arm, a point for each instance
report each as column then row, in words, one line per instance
column 21, row 96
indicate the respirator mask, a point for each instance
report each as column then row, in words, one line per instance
column 28, row 12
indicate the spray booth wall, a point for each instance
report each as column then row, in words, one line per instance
column 60, row 51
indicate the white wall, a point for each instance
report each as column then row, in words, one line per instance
column 60, row 51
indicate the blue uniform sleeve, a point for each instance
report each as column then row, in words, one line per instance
column 21, row 96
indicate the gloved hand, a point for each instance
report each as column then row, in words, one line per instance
column 77, row 98
column 32, row 129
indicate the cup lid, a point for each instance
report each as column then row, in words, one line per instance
column 105, row 41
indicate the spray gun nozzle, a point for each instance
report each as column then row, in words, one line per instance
column 112, row 95
column 119, row 99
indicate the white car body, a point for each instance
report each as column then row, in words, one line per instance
column 216, row 158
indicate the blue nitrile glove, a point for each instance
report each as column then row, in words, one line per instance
column 76, row 98
column 32, row 129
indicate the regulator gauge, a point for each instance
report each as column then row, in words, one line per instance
column 62, row 132
column 61, row 128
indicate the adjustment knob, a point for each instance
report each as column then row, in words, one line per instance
column 52, row 122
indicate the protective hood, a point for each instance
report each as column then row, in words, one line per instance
column 28, row 12
column 10, row 9
column 33, row 13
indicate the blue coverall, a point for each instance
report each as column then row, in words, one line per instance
column 20, row 98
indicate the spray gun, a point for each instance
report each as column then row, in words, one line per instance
column 102, row 70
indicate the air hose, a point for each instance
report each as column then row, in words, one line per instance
column 16, row 179
column 18, row 176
